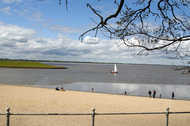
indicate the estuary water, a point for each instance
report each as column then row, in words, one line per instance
column 135, row 79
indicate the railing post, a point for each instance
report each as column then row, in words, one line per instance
column 167, row 116
column 8, row 116
column 93, row 116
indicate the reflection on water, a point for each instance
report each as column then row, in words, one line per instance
column 181, row 91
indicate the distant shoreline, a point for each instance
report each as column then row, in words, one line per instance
column 34, row 67
column 27, row 65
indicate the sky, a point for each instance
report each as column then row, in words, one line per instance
column 44, row 30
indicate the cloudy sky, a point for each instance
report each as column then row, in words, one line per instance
column 41, row 29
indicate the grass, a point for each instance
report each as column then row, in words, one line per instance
column 27, row 64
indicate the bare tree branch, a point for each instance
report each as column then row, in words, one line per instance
column 116, row 13
column 171, row 17
column 103, row 22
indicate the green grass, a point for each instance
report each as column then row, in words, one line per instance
column 27, row 64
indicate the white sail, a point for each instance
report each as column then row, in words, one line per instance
column 115, row 69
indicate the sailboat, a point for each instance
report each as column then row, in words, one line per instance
column 114, row 71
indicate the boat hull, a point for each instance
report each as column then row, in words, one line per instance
column 114, row 72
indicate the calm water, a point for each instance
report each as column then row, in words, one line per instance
column 135, row 79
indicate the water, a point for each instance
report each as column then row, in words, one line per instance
column 135, row 79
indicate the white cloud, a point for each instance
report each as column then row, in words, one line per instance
column 91, row 40
column 13, row 32
column 19, row 42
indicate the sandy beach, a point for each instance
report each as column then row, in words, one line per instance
column 40, row 100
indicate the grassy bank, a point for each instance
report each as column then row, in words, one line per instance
column 27, row 64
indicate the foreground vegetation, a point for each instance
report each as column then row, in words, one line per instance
column 27, row 64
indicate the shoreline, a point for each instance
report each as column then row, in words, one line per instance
column 96, row 92
column 83, row 92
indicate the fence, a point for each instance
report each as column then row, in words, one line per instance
column 93, row 114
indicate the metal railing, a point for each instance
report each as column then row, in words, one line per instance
column 93, row 114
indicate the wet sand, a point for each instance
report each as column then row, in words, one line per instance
column 40, row 100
